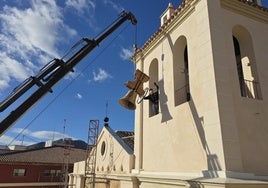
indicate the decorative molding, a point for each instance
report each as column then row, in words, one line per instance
column 246, row 9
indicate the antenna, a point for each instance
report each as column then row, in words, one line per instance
column 106, row 119
column 66, row 155
column 106, row 108
column 53, row 136
column 22, row 139
column 64, row 127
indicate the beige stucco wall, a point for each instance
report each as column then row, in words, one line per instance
column 115, row 158
column 76, row 179
column 217, row 138
column 217, row 130
column 243, row 121
column 183, row 137
column 112, row 162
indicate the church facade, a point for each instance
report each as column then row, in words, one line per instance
column 209, row 58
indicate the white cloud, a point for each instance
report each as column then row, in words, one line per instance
column 34, row 135
column 81, row 6
column 101, row 75
column 12, row 66
column 85, row 9
column 113, row 5
column 46, row 135
column 125, row 53
column 40, row 135
column 78, row 96
column 8, row 67
column 29, row 37
column 8, row 140
column 34, row 29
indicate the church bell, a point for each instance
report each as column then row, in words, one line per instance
column 128, row 101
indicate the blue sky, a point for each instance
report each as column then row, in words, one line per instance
column 33, row 32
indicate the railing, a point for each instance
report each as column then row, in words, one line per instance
column 250, row 89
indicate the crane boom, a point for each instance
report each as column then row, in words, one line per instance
column 53, row 72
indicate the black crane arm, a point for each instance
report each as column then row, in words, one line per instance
column 52, row 73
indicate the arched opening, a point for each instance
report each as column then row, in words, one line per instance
column 181, row 72
column 153, row 74
column 246, row 64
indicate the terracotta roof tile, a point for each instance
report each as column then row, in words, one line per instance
column 127, row 137
column 44, row 155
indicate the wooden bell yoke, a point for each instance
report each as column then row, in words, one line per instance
column 137, row 84
column 136, row 88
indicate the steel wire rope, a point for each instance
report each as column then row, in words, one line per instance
column 69, row 84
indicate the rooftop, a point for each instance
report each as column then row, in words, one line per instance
column 44, row 155
column 127, row 137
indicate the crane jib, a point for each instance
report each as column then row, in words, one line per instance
column 52, row 73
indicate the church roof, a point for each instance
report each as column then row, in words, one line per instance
column 127, row 137
column 124, row 138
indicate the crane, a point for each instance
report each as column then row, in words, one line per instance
column 52, row 73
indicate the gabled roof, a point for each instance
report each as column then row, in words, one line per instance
column 124, row 138
column 127, row 137
column 45, row 155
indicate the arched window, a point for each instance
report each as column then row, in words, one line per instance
column 181, row 72
column 246, row 64
column 153, row 74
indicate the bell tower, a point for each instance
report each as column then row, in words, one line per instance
column 167, row 13
column 209, row 58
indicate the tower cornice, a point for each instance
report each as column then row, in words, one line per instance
column 243, row 7
column 248, row 9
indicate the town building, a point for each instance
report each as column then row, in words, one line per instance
column 39, row 166
column 209, row 58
